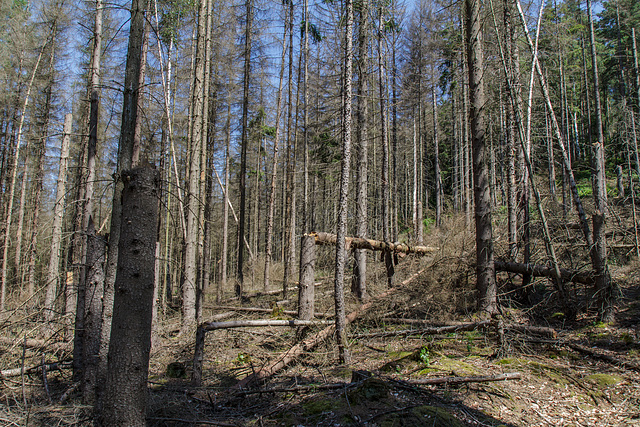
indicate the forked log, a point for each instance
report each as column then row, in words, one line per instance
column 586, row 278
column 310, row 343
column 374, row 245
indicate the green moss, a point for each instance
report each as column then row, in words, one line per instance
column 420, row 416
column 316, row 407
column 604, row 380
column 458, row 367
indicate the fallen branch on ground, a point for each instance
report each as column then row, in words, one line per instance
column 36, row 343
column 460, row 380
column 212, row 326
column 310, row 343
column 55, row 366
column 457, row 327
column 257, row 310
column 591, row 352
column 583, row 277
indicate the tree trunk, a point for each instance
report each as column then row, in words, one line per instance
column 12, row 188
column 306, row 298
column 606, row 293
column 125, row 396
column 92, row 322
column 485, row 272
column 274, row 165
column 53, row 273
column 359, row 283
column 341, row 334
column 198, row 121
column 244, row 145
column 125, row 156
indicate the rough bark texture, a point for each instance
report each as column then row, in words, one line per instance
column 125, row 396
column 94, row 288
column 341, row 334
column 485, row 273
column 125, row 156
column 359, row 283
column 191, row 251
column 604, row 285
column 306, row 290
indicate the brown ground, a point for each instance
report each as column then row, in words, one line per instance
column 559, row 386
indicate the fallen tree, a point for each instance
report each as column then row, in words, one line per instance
column 310, row 343
column 583, row 277
column 459, row 327
column 323, row 238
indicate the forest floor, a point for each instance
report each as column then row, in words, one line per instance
column 587, row 375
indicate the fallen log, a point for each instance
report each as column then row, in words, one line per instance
column 583, row 277
column 36, row 344
column 212, row 326
column 457, row 327
column 310, row 343
column 460, row 380
column 55, row 366
column 323, row 238
column 256, row 310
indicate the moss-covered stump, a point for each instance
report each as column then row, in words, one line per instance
column 420, row 416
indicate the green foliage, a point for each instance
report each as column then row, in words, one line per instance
column 424, row 355
column 314, row 33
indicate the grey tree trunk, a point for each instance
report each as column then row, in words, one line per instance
column 125, row 396
column 245, row 143
column 359, row 283
column 436, row 162
column 306, row 294
column 341, row 334
column 485, row 269
column 274, row 164
column 53, row 272
column 198, row 121
column 92, row 322
column 606, row 292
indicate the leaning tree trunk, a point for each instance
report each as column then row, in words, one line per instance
column 12, row 188
column 485, row 272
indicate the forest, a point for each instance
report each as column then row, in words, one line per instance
column 435, row 200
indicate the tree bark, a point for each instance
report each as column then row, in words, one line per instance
column 125, row 396
column 244, row 145
column 92, row 322
column 359, row 283
column 53, row 272
column 341, row 334
column 606, row 292
column 306, row 291
column 125, row 158
column 485, row 272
